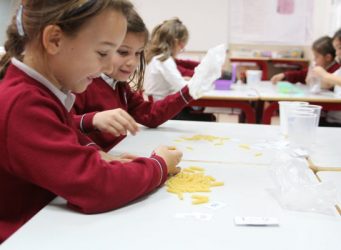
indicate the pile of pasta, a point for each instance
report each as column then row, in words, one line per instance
column 209, row 138
column 192, row 180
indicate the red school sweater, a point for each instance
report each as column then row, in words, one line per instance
column 101, row 96
column 186, row 67
column 295, row 76
column 41, row 157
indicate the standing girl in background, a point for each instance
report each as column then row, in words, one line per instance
column 324, row 56
column 110, row 107
column 55, row 47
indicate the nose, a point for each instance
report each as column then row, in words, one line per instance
column 107, row 66
column 133, row 62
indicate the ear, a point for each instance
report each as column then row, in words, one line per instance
column 52, row 38
column 329, row 57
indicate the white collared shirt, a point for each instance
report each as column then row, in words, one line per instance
column 111, row 82
column 162, row 78
column 66, row 98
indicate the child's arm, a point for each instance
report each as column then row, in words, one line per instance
column 278, row 77
column 186, row 67
column 52, row 159
column 328, row 80
column 115, row 121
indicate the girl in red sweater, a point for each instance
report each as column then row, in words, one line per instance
column 53, row 48
column 324, row 56
column 113, row 104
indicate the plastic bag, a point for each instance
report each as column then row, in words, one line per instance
column 207, row 71
column 297, row 188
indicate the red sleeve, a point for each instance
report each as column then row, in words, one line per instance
column 152, row 114
column 44, row 150
column 335, row 66
column 296, row 76
column 186, row 67
column 84, row 122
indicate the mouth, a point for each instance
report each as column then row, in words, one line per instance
column 126, row 72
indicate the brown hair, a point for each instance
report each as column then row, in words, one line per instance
column 70, row 15
column 137, row 26
column 324, row 46
column 163, row 39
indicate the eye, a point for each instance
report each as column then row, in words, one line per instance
column 102, row 54
column 123, row 52
column 138, row 53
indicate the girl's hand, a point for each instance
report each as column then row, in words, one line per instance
column 278, row 77
column 171, row 156
column 126, row 157
column 320, row 72
column 115, row 121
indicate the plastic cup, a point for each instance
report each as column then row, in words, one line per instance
column 316, row 109
column 302, row 128
column 253, row 76
column 284, row 109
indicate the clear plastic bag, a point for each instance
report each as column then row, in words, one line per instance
column 297, row 188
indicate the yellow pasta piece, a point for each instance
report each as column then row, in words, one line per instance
column 189, row 170
column 209, row 138
column 244, row 146
column 199, row 199
column 189, row 148
column 196, row 168
column 258, row 154
column 216, row 184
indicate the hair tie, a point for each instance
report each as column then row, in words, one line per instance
column 19, row 21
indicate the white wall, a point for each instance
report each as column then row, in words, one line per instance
column 207, row 20
column 6, row 12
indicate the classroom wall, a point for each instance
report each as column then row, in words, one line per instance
column 207, row 21
column 210, row 18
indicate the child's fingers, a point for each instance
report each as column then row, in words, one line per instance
column 130, row 123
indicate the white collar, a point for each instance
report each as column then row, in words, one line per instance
column 66, row 98
column 111, row 82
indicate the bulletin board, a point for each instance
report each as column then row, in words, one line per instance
column 282, row 22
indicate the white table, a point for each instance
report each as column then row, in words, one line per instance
column 239, row 96
column 334, row 178
column 268, row 92
column 325, row 153
column 153, row 222
column 259, row 138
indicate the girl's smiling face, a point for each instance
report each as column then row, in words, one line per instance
column 127, row 57
column 90, row 52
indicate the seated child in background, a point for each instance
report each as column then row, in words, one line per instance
column 162, row 76
column 110, row 107
column 331, row 80
column 324, row 56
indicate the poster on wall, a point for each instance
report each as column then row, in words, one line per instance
column 282, row 22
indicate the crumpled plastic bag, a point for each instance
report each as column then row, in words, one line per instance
column 297, row 188
column 207, row 71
